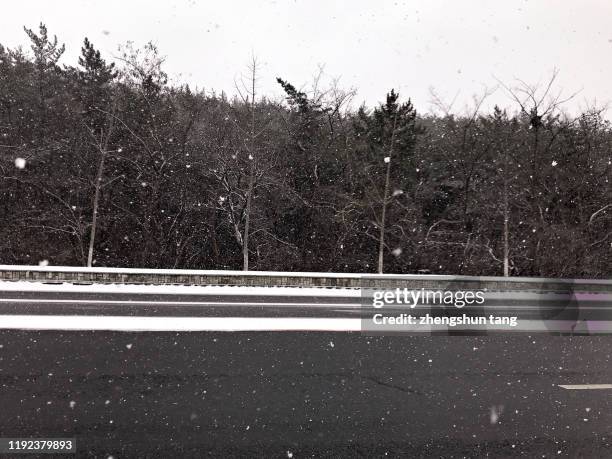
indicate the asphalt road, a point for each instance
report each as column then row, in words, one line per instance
column 176, row 305
column 526, row 304
column 304, row 394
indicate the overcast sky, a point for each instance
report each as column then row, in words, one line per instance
column 454, row 46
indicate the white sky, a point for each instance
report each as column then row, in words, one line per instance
column 455, row 46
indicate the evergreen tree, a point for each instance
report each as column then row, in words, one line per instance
column 389, row 127
column 46, row 55
column 95, row 77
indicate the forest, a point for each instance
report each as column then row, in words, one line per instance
column 107, row 163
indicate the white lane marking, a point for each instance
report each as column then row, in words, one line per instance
column 188, row 303
column 585, row 386
column 128, row 323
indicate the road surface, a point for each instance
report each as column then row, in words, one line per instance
column 296, row 393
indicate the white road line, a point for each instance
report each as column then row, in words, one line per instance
column 188, row 303
column 123, row 323
column 585, row 386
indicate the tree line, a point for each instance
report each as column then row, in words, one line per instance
column 108, row 164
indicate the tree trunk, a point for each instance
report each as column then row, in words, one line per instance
column 247, row 217
column 383, row 217
column 535, row 243
column 247, row 221
column 103, row 147
column 96, row 203
column 381, row 245
column 506, row 242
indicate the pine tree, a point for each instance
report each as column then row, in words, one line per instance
column 95, row 78
column 46, row 55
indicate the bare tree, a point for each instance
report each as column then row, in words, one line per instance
column 102, row 145
column 463, row 147
column 385, row 199
column 541, row 105
column 242, row 165
column 252, row 156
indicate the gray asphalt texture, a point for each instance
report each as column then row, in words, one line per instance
column 276, row 394
column 306, row 394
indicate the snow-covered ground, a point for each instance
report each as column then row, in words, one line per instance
column 129, row 323
column 25, row 286
column 144, row 323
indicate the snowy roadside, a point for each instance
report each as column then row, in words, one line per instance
column 25, row 286
column 178, row 324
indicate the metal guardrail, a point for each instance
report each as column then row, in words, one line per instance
column 61, row 274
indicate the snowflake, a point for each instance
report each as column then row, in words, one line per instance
column 20, row 163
